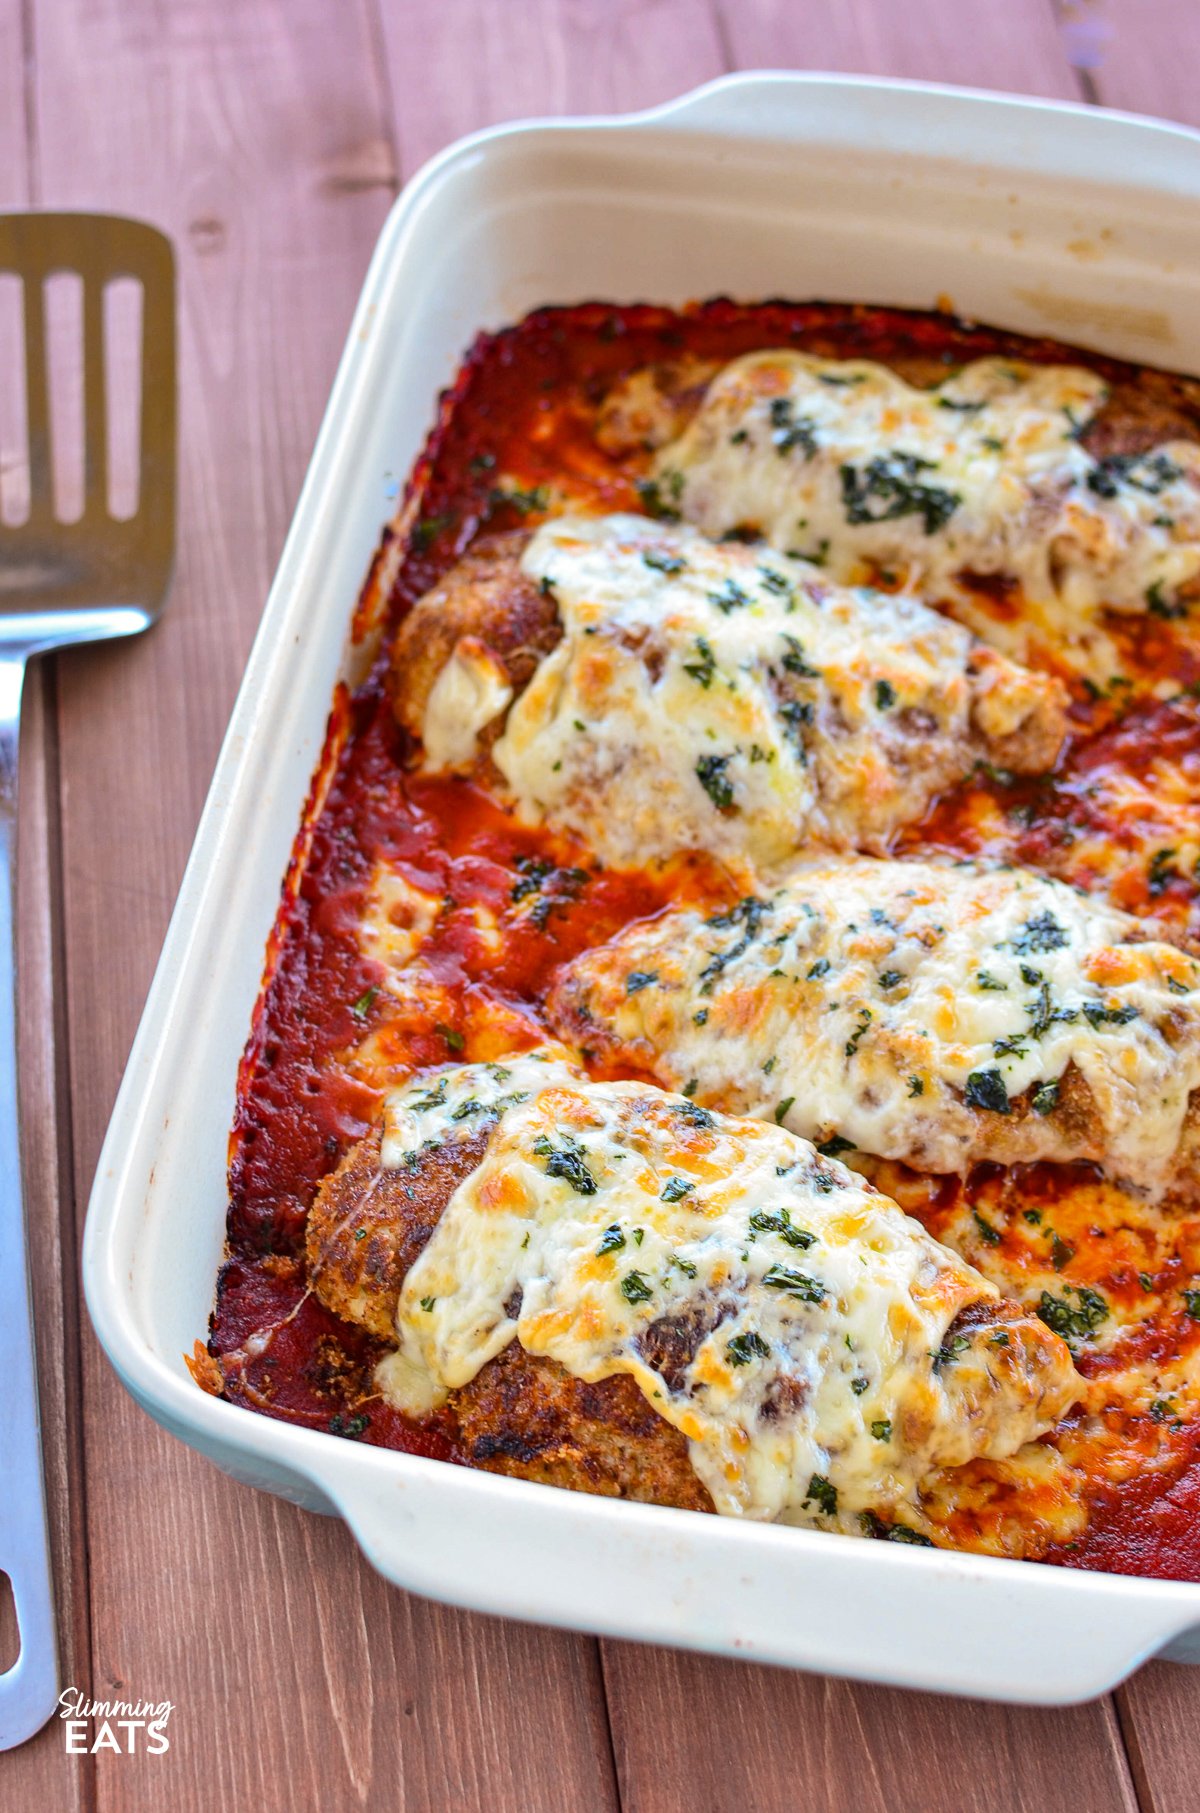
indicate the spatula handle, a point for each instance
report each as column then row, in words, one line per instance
column 28, row 1690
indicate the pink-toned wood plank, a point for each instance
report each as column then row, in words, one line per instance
column 256, row 135
column 976, row 43
column 458, row 65
column 696, row 1733
column 1140, row 54
column 40, row 1773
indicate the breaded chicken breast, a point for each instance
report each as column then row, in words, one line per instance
column 931, row 1012
column 652, row 692
column 607, row 1287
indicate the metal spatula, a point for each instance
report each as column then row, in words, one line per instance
column 63, row 583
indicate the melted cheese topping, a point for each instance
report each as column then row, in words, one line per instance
column 395, row 921
column 788, row 1319
column 845, row 463
column 905, row 1006
column 471, row 690
column 728, row 698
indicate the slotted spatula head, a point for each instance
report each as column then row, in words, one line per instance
column 98, row 576
column 62, row 581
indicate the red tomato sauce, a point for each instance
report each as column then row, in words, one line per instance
column 514, row 903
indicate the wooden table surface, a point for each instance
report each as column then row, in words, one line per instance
column 268, row 138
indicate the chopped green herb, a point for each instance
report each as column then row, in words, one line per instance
column 781, row 1109
column 710, row 772
column 638, row 979
column 1073, row 1320
column 985, row 1089
column 793, row 660
column 882, row 1430
column 744, row 1348
column 796, row 1284
column 890, row 486
column 566, row 1161
column 987, row 1232
column 430, row 527
column 865, row 1017
column 885, row 695
column 454, row 1039
column 363, row 1005
column 875, row 1527
column 1097, row 1014
column 635, row 1289
column 915, row 1086
column 704, row 666
column 1159, row 605
column 353, row 1426
column 773, row 581
column 654, row 495
column 790, row 431
column 1147, row 472
column 822, row 1494
column 1041, row 933
column 611, row 1241
column 676, row 1188
column 1191, row 1301
column 427, row 1303
column 523, row 501
column 1044, row 1099
column 729, row 598
column 663, row 563
column 1162, row 870
column 779, row 1221
column 1061, row 1251
column 831, row 1147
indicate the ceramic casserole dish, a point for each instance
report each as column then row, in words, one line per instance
column 1044, row 219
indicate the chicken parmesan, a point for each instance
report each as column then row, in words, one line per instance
column 977, row 484
column 654, row 691
column 743, row 758
column 818, row 1351
column 931, row 1012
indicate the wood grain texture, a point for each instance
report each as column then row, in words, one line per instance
column 1014, row 47
column 267, row 136
column 458, row 65
column 711, row 1737
column 255, row 135
column 1141, row 55
column 41, row 1773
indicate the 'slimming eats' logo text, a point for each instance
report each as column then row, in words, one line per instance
column 126, row 1727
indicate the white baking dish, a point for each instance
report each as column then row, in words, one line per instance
column 1042, row 218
